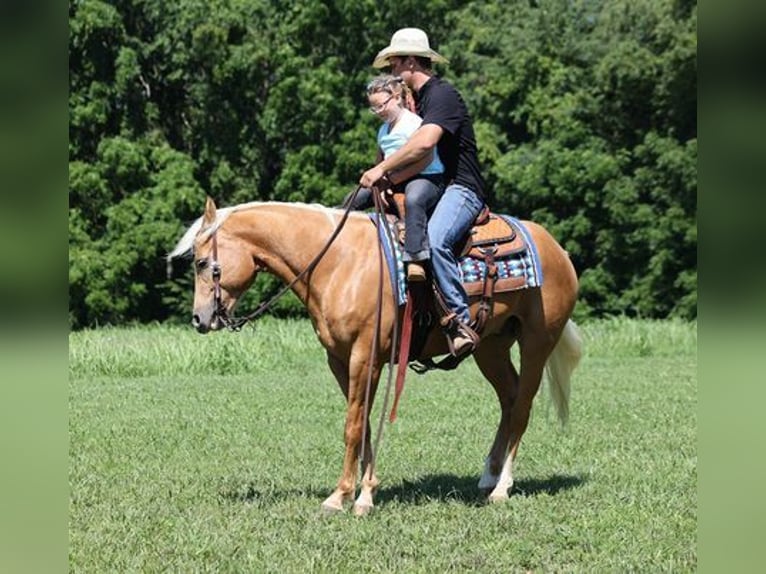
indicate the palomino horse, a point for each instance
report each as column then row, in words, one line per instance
column 340, row 293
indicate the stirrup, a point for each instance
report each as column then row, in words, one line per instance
column 461, row 339
column 461, row 345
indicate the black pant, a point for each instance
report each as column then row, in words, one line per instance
column 421, row 193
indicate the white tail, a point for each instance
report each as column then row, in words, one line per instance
column 558, row 370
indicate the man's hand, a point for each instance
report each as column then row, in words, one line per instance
column 371, row 176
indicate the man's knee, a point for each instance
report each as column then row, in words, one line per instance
column 440, row 247
column 421, row 193
column 362, row 199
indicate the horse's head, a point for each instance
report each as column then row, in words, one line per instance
column 223, row 270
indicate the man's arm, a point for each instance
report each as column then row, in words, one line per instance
column 422, row 142
column 411, row 170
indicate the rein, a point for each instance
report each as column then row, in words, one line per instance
column 382, row 220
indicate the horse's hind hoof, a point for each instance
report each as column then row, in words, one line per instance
column 497, row 497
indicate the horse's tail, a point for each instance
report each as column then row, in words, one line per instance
column 563, row 360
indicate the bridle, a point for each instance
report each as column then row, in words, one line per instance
column 220, row 309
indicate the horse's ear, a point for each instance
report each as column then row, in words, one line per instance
column 209, row 217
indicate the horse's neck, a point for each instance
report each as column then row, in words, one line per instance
column 287, row 237
column 339, row 293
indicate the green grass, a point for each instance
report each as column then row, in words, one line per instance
column 191, row 453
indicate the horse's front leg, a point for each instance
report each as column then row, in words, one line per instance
column 353, row 383
column 334, row 502
column 364, row 504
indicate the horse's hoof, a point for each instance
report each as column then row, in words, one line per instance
column 497, row 497
column 362, row 509
column 330, row 507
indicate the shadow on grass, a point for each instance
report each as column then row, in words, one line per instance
column 426, row 489
column 448, row 487
column 251, row 493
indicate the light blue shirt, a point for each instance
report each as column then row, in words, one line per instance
column 390, row 140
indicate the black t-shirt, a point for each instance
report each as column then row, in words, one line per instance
column 440, row 104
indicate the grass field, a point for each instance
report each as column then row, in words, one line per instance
column 213, row 454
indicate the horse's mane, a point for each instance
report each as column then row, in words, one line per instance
column 185, row 245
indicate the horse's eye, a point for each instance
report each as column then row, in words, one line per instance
column 201, row 264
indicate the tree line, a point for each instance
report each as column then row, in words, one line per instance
column 585, row 112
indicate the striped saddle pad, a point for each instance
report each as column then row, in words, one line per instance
column 518, row 265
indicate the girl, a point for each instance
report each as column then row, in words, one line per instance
column 422, row 183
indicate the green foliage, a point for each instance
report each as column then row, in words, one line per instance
column 116, row 260
column 588, row 126
column 585, row 113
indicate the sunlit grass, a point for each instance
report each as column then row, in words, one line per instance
column 191, row 453
column 178, row 350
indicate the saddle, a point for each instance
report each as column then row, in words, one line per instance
column 489, row 231
column 490, row 238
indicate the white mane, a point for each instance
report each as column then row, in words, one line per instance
column 185, row 245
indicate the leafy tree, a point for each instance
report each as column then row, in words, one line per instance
column 588, row 126
column 585, row 112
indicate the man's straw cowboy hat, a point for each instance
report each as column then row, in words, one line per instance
column 407, row 42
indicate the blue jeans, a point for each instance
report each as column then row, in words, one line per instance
column 450, row 221
column 363, row 199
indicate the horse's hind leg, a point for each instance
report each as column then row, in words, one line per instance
column 535, row 349
column 494, row 361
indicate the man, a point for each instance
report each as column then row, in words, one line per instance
column 448, row 127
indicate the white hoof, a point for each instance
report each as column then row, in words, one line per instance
column 500, row 494
column 363, row 505
column 497, row 497
column 333, row 504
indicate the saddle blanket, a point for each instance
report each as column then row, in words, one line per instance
column 520, row 270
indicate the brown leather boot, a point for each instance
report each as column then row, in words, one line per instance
column 416, row 273
column 461, row 343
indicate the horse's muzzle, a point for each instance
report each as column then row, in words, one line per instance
column 198, row 324
column 204, row 323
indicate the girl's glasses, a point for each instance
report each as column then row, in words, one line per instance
column 380, row 107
